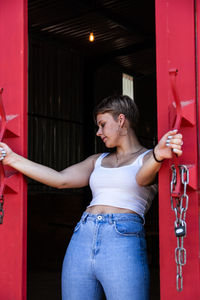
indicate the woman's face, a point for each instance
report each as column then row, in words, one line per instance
column 108, row 129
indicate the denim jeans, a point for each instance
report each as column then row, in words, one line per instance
column 106, row 252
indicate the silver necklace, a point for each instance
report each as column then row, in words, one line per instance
column 117, row 159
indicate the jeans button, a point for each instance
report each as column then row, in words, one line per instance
column 99, row 218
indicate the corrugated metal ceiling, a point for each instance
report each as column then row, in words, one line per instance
column 122, row 29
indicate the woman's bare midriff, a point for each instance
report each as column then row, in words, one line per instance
column 105, row 209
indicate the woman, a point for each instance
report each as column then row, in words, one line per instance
column 108, row 249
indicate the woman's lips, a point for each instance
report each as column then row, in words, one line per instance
column 104, row 139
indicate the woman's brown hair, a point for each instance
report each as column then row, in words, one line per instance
column 117, row 105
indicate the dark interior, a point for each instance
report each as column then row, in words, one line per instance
column 68, row 75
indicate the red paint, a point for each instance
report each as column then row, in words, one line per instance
column 198, row 79
column 13, row 80
column 175, row 49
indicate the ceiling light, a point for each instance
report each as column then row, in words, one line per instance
column 91, row 37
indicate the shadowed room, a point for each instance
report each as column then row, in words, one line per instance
column 68, row 76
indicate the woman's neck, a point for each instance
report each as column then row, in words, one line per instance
column 128, row 144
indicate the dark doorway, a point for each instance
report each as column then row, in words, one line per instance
column 68, row 75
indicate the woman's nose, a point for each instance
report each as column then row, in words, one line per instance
column 99, row 132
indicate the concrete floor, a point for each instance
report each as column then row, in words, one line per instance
column 43, row 285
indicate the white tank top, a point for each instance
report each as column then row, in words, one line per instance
column 118, row 187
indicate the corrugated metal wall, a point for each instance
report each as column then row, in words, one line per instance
column 55, row 112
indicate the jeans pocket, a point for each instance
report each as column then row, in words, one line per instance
column 129, row 228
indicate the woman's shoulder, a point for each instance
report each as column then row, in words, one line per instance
column 93, row 158
column 146, row 154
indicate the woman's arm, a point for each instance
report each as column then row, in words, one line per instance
column 72, row 177
column 169, row 143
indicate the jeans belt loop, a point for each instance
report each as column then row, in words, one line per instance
column 110, row 220
column 143, row 219
column 84, row 219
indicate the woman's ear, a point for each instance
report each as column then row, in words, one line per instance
column 121, row 119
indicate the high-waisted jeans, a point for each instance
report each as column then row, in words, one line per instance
column 106, row 252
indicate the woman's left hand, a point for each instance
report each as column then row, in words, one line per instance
column 170, row 143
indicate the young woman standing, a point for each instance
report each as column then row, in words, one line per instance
column 108, row 249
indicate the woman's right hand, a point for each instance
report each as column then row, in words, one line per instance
column 5, row 153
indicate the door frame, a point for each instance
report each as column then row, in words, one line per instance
column 176, row 50
column 13, row 80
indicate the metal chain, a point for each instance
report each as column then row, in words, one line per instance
column 1, row 209
column 179, row 204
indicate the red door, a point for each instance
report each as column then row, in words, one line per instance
column 177, row 81
column 13, row 130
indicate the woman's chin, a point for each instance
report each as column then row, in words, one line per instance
column 109, row 145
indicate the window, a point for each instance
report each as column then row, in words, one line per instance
column 127, row 85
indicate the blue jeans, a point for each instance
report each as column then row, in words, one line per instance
column 106, row 252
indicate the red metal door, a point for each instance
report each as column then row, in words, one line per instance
column 177, row 81
column 13, row 130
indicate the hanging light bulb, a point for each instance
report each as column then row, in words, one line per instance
column 91, row 37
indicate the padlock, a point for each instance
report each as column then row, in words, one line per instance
column 180, row 230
